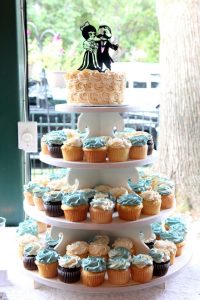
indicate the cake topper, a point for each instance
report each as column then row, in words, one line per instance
column 96, row 56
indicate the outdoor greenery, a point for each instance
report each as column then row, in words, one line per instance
column 54, row 35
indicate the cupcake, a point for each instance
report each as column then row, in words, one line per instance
column 176, row 236
column 30, row 252
column 52, row 203
column 120, row 252
column 118, row 191
column 69, row 268
column 72, row 149
column 167, row 245
column 157, row 228
column 98, row 249
column 24, row 240
column 28, row 192
column 75, row 207
column 174, row 220
column 101, row 210
column 125, row 243
column 151, row 203
column 118, row 149
column 118, row 270
column 78, row 248
column 93, row 271
column 142, row 268
column 38, row 193
column 55, row 140
column 161, row 261
column 139, row 147
column 100, row 239
column 150, row 142
column 95, row 150
column 148, row 240
column 129, row 207
column 44, row 145
column 88, row 193
column 47, row 263
column 167, row 196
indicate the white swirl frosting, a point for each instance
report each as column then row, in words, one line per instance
column 151, row 196
column 68, row 261
column 77, row 248
column 102, row 203
column 119, row 143
column 73, row 142
column 123, row 242
column 98, row 249
column 166, row 245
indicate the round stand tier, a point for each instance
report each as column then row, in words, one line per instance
column 106, row 287
column 59, row 162
column 99, row 108
column 116, row 224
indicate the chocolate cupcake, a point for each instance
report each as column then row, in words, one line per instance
column 55, row 140
column 161, row 261
column 30, row 252
column 52, row 203
column 69, row 268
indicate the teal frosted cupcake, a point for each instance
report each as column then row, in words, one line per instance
column 93, row 271
column 129, row 207
column 28, row 192
column 52, row 203
column 47, row 263
column 139, row 147
column 28, row 226
column 55, row 140
column 95, row 150
column 75, row 206
column 69, row 268
column 38, row 193
column 120, row 252
column 118, row 270
column 140, row 186
column 161, row 261
column 30, row 252
column 167, row 196
column 142, row 268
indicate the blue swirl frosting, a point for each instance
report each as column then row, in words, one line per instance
column 138, row 140
column 164, row 189
column 39, row 191
column 173, row 220
column 120, row 252
column 94, row 143
column 140, row 186
column 56, row 137
column 157, row 228
column 47, row 256
column 74, row 199
column 94, row 264
column 30, row 186
column 170, row 235
column 142, row 260
column 129, row 200
column 53, row 196
column 118, row 263
column 159, row 255
column 28, row 226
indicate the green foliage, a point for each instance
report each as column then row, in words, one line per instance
column 134, row 26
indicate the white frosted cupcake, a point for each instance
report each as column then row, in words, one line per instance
column 101, row 210
column 167, row 245
column 78, row 248
column 101, row 250
column 118, row 149
column 142, row 268
column 151, row 202
column 72, row 149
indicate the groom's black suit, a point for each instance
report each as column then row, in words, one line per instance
column 103, row 56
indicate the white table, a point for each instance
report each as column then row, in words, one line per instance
column 184, row 286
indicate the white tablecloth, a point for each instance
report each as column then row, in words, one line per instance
column 184, row 286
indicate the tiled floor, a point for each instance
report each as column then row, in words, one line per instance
column 184, row 286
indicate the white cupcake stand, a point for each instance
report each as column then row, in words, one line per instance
column 100, row 121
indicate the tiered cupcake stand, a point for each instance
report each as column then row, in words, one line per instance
column 100, row 121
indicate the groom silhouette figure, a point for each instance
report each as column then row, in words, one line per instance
column 103, row 57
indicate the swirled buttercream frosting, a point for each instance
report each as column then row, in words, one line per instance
column 129, row 200
column 94, row 264
column 47, row 256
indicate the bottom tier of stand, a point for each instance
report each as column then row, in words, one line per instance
column 106, row 287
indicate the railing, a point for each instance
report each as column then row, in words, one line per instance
column 49, row 119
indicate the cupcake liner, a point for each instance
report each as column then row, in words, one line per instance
column 92, row 279
column 167, row 201
column 29, row 263
column 70, row 153
column 69, row 275
column 160, row 269
column 47, row 270
column 55, row 151
column 44, row 148
column 141, row 275
column 53, row 209
column 75, row 214
column 28, row 197
column 138, row 152
column 151, row 207
column 117, row 155
column 119, row 277
column 39, row 203
column 129, row 213
column 95, row 155
column 99, row 216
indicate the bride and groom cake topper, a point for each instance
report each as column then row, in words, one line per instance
column 97, row 45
